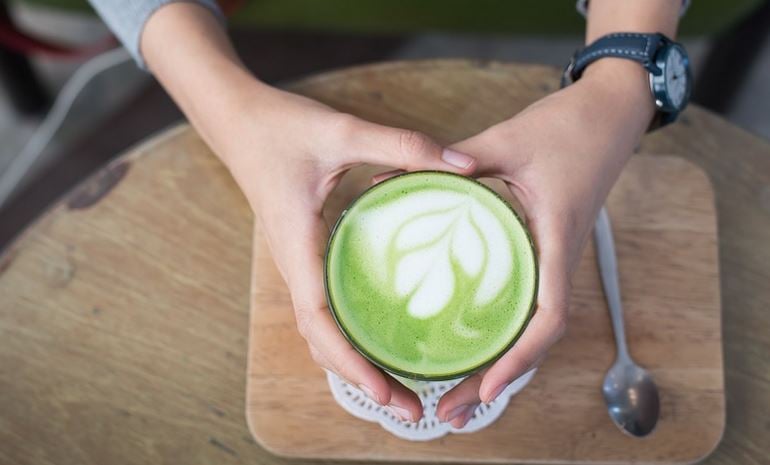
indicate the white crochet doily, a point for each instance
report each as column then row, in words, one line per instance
column 429, row 427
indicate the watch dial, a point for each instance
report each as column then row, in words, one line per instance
column 676, row 76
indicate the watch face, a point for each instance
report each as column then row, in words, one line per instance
column 676, row 76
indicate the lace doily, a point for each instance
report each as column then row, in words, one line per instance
column 429, row 427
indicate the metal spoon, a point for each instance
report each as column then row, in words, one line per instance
column 629, row 391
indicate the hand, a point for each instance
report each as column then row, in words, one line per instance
column 288, row 153
column 559, row 157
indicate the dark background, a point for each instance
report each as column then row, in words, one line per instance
column 282, row 40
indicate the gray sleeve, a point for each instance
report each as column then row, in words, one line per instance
column 127, row 18
column 582, row 7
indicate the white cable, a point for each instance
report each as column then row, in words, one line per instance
column 33, row 149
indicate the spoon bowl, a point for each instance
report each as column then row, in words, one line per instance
column 632, row 398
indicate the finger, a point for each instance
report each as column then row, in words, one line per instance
column 462, row 419
column 456, row 401
column 378, row 178
column 404, row 403
column 547, row 325
column 454, row 404
column 341, row 358
column 407, row 150
column 333, row 352
column 314, row 320
column 528, row 353
column 501, row 150
column 482, row 152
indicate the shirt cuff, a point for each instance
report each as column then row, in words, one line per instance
column 582, row 7
column 127, row 19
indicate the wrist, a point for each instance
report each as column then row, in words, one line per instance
column 621, row 87
column 647, row 16
column 255, row 121
column 200, row 70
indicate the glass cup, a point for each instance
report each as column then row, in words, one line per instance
column 414, row 380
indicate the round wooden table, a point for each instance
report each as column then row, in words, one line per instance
column 124, row 309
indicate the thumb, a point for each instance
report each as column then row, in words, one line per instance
column 408, row 150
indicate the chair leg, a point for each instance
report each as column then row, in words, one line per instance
column 731, row 59
column 25, row 91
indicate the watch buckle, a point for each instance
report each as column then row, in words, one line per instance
column 566, row 76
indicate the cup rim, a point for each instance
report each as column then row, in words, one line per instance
column 404, row 373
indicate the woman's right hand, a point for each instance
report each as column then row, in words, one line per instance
column 288, row 153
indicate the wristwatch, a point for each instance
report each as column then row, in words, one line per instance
column 665, row 60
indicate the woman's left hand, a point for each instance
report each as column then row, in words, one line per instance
column 559, row 157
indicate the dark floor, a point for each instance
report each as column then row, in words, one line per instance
column 275, row 57
column 137, row 107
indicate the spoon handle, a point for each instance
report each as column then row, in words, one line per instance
column 608, row 269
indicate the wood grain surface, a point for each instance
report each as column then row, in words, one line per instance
column 124, row 309
column 664, row 219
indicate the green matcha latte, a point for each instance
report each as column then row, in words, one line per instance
column 430, row 275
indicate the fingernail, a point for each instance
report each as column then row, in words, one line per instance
column 402, row 413
column 457, row 159
column 456, row 412
column 468, row 415
column 499, row 390
column 369, row 393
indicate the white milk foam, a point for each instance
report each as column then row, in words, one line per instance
column 428, row 230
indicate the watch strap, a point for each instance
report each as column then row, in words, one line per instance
column 634, row 46
column 639, row 47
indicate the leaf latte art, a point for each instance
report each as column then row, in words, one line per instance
column 430, row 275
column 424, row 235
